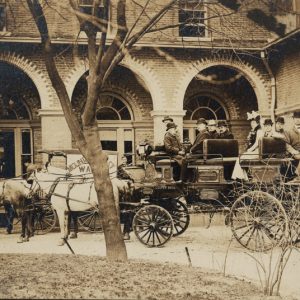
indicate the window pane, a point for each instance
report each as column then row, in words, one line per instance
column 7, row 154
column 203, row 113
column 106, row 113
column 109, row 145
column 186, row 134
column 193, row 23
column 125, row 115
column 26, row 144
column 2, row 18
column 128, row 149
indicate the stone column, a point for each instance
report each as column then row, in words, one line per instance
column 160, row 127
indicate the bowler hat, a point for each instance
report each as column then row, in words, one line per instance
column 280, row 120
column 268, row 122
column 171, row 125
column 222, row 123
column 296, row 114
column 167, row 118
column 201, row 121
column 212, row 123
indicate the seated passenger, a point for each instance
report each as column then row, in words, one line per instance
column 212, row 129
column 292, row 138
column 252, row 152
column 121, row 171
column 174, row 147
column 203, row 134
column 224, row 132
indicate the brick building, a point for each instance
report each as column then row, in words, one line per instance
column 220, row 69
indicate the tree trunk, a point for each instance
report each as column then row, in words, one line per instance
column 97, row 159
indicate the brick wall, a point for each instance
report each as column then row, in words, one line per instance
column 62, row 23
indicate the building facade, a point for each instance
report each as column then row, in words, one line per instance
column 216, row 70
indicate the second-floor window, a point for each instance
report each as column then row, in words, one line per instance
column 192, row 17
column 2, row 15
column 86, row 6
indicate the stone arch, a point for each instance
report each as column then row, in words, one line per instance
column 136, row 66
column 33, row 72
column 256, row 80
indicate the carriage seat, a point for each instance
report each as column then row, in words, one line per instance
column 160, row 155
column 224, row 150
column 272, row 148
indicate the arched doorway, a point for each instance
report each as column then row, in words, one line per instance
column 19, row 103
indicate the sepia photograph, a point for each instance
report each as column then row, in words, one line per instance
column 150, row 149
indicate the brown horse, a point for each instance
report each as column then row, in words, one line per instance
column 17, row 192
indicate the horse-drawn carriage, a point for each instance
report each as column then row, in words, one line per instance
column 261, row 211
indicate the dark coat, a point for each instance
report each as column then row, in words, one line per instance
column 198, row 144
column 213, row 134
column 226, row 135
column 172, row 144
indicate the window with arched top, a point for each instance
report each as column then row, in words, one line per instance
column 204, row 107
column 116, row 129
column 201, row 106
column 112, row 108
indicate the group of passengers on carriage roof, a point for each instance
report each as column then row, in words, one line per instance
column 211, row 130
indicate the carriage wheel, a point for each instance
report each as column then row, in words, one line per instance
column 90, row 220
column 181, row 218
column 153, row 225
column 258, row 221
column 44, row 218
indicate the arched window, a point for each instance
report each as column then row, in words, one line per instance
column 112, row 108
column 204, row 107
column 115, row 126
column 201, row 106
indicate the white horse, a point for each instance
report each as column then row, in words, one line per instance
column 71, row 193
column 16, row 192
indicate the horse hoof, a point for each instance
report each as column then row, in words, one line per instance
column 61, row 242
column 20, row 240
column 73, row 235
column 26, row 239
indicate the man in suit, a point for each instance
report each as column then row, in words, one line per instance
column 174, row 148
column 292, row 138
column 224, row 132
column 197, row 147
column 212, row 129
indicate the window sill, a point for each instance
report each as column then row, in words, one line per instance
column 195, row 39
column 5, row 33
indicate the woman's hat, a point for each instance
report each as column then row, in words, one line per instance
column 171, row 125
column 167, row 118
column 268, row 122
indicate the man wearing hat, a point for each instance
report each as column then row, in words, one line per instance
column 212, row 129
column 292, row 138
column 203, row 134
column 224, row 132
column 174, row 147
column 167, row 119
column 279, row 125
column 268, row 129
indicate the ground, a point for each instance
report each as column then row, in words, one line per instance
column 41, row 269
column 74, row 277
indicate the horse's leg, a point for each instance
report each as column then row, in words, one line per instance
column 23, row 229
column 61, row 220
column 73, row 216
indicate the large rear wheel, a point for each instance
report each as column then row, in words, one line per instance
column 181, row 217
column 44, row 218
column 258, row 221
